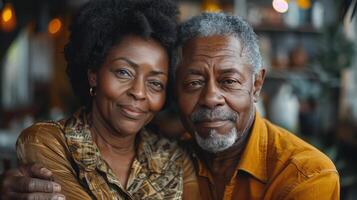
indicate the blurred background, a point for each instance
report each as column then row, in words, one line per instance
column 308, row 46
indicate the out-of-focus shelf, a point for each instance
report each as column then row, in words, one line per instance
column 271, row 28
column 346, row 133
column 292, row 74
column 8, row 140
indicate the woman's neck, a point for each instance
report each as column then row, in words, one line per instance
column 107, row 138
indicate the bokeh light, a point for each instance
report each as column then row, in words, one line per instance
column 8, row 18
column 280, row 6
column 54, row 26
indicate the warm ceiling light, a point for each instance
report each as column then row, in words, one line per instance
column 6, row 15
column 8, row 18
column 211, row 6
column 280, row 6
column 54, row 26
column 304, row 4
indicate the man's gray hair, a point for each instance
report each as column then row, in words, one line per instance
column 209, row 24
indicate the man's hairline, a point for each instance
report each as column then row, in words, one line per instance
column 181, row 44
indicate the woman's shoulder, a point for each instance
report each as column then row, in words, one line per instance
column 42, row 132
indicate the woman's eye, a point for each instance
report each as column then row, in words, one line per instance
column 123, row 73
column 157, row 86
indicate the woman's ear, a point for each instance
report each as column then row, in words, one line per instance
column 258, row 84
column 92, row 78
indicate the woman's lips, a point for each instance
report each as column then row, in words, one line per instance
column 132, row 112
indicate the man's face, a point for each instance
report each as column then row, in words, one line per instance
column 216, row 91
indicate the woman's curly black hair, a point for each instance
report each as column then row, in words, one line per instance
column 100, row 24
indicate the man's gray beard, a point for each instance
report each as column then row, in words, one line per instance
column 216, row 142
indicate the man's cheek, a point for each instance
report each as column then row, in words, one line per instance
column 185, row 107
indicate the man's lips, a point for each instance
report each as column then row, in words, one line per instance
column 212, row 124
column 131, row 111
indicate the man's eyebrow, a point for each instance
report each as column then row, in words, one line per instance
column 126, row 60
column 191, row 71
column 229, row 70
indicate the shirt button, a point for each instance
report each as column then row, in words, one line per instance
column 141, row 176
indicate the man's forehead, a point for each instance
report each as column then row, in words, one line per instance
column 211, row 46
column 224, row 53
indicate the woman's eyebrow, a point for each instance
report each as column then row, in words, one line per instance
column 126, row 60
column 153, row 73
column 157, row 72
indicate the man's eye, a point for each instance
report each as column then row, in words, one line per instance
column 193, row 84
column 229, row 81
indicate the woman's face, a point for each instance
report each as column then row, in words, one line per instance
column 131, row 83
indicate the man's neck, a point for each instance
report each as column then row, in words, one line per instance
column 218, row 163
column 222, row 165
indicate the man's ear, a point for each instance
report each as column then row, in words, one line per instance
column 92, row 78
column 258, row 83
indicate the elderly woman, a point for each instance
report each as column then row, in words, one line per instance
column 118, row 58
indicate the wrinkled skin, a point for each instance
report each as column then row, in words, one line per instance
column 212, row 74
column 30, row 182
column 130, row 90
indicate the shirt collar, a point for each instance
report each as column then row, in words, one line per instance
column 80, row 143
column 87, row 156
column 254, row 156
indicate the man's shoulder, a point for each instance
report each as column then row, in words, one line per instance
column 296, row 168
column 285, row 148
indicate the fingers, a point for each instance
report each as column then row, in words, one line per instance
column 21, row 184
column 36, row 171
column 27, row 184
column 34, row 196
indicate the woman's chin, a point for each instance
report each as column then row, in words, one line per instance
column 127, row 127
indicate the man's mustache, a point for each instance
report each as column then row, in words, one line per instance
column 217, row 114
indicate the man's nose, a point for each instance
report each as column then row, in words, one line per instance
column 211, row 96
column 138, row 90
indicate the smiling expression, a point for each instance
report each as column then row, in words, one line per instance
column 215, row 87
column 130, row 84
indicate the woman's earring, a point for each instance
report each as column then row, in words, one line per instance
column 92, row 91
column 255, row 97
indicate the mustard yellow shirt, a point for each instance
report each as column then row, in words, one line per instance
column 160, row 170
column 275, row 164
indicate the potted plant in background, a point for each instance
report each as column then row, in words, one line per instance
column 335, row 54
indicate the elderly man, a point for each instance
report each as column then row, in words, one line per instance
column 237, row 154
column 240, row 155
